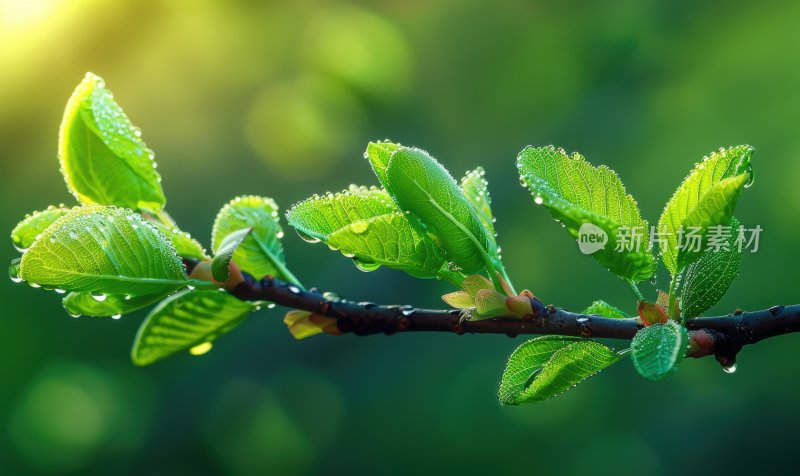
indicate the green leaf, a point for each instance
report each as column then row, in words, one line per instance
column 421, row 186
column 220, row 267
column 379, row 154
column 317, row 217
column 185, row 245
column 547, row 366
column 103, row 250
column 187, row 320
column 690, row 206
column 391, row 241
column 476, row 189
column 103, row 158
column 657, row 350
column 459, row 300
column 112, row 305
column 26, row 232
column 576, row 193
column 489, row 303
column 261, row 253
column 715, row 208
column 706, row 280
column 604, row 309
column 364, row 224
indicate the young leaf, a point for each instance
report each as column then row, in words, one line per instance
column 187, row 320
column 547, row 366
column 26, row 232
column 652, row 313
column 103, row 250
column 364, row 224
column 706, row 197
column 420, row 185
column 489, row 303
column 103, row 158
column 378, row 154
column 576, row 193
column 604, row 309
column 220, row 267
column 708, row 279
column 389, row 240
column 657, row 350
column 261, row 253
column 459, row 300
column 112, row 305
column 317, row 217
column 303, row 324
column 476, row 189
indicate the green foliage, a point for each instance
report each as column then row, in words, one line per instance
column 103, row 250
column 420, row 185
column 121, row 251
column 28, row 230
column 658, row 349
column 261, row 252
column 604, row 309
column 364, row 224
column 575, row 193
column 220, row 266
column 547, row 366
column 187, row 320
column 103, row 158
column 706, row 280
column 106, row 305
column 706, row 197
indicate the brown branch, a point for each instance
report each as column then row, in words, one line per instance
column 722, row 336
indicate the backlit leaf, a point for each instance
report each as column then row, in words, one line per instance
column 220, row 266
column 103, row 250
column 103, row 158
column 187, row 320
column 547, row 366
column 576, row 193
column 689, row 205
column 420, row 185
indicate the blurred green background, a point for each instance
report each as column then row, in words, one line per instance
column 280, row 99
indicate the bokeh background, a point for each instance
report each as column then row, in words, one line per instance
column 280, row 99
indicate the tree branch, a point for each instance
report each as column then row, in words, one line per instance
column 722, row 336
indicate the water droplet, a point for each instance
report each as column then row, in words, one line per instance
column 308, row 238
column 366, row 266
column 190, row 287
column 538, row 200
column 99, row 297
column 73, row 235
column 127, row 297
column 59, row 291
column 13, row 271
column 73, row 315
column 293, row 289
column 116, row 316
column 271, row 305
column 751, row 178
column 407, row 310
column 582, row 320
column 34, row 285
column 201, row 349
column 775, row 310
column 729, row 369
column 358, row 227
column 279, row 235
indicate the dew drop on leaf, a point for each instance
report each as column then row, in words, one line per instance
column 116, row 316
column 201, row 349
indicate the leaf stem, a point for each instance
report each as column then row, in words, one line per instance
column 636, row 290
